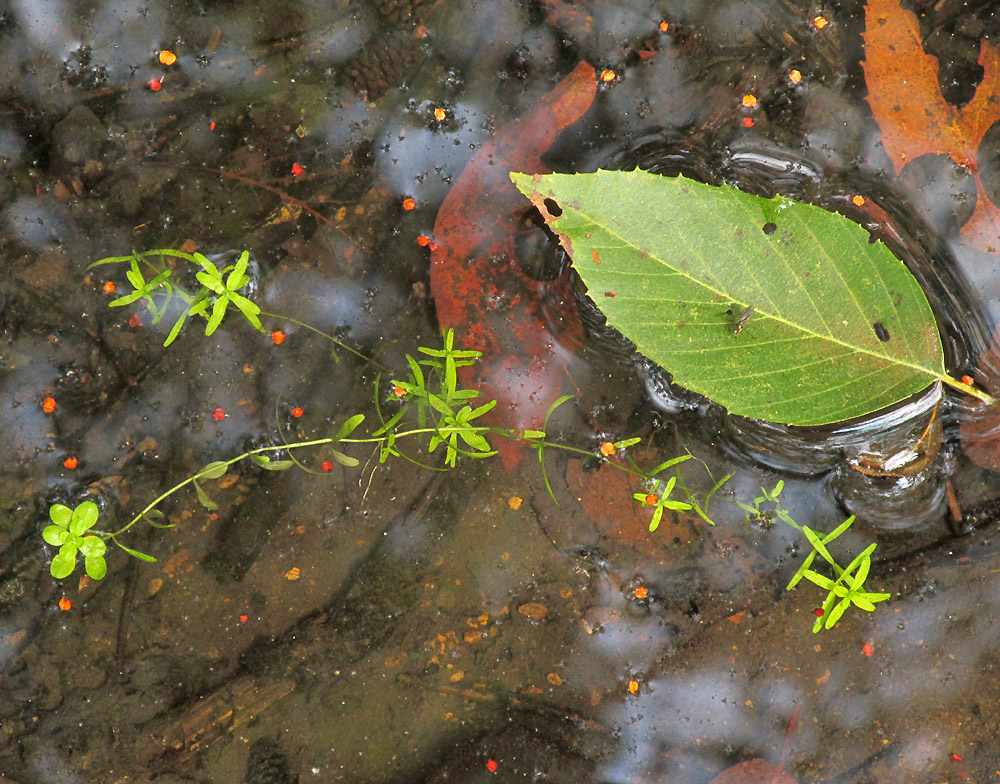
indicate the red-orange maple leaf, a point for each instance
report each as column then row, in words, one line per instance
column 915, row 119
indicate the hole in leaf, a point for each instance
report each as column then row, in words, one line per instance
column 881, row 332
column 554, row 209
column 769, row 228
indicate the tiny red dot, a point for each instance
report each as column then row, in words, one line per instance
column 244, row 618
column 423, row 240
column 211, row 125
column 433, row 246
column 155, row 84
column 491, row 766
column 652, row 498
column 867, row 649
column 70, row 463
column 409, row 204
column 219, row 414
column 297, row 412
column 109, row 287
column 297, row 169
column 48, row 405
column 748, row 122
column 819, row 612
column 326, row 465
column 135, row 321
column 955, row 757
column 278, row 337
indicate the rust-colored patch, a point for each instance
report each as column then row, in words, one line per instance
column 595, row 257
column 527, row 342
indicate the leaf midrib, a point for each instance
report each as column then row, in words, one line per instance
column 936, row 375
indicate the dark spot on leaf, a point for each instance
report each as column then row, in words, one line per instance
column 610, row 293
column 769, row 228
column 729, row 312
column 595, row 257
column 680, row 324
column 554, row 209
column 881, row 332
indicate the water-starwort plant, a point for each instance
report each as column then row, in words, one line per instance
column 434, row 412
column 849, row 586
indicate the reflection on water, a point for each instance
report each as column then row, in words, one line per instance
column 389, row 623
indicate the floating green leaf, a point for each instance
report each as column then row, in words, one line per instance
column 775, row 309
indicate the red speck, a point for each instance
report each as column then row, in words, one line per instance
column 612, row 293
column 211, row 125
column 409, row 204
column 70, row 463
column 244, row 618
column 652, row 498
column 297, row 412
column 423, row 240
column 219, row 414
column 109, row 287
column 955, row 757
column 867, row 649
column 48, row 405
column 664, row 26
column 278, row 337
column 65, row 604
column 399, row 392
column 641, row 593
column 491, row 766
column 326, row 465
column 433, row 246
column 297, row 169
column 968, row 380
column 819, row 612
column 155, row 84
column 748, row 122
column 134, row 321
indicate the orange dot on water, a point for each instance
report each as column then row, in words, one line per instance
column 70, row 463
column 48, row 405
column 607, row 75
column 633, row 687
column 219, row 414
column 439, row 114
column 641, row 593
column 244, row 618
column 409, row 204
column 65, row 604
column 167, row 57
column 795, row 76
column 154, row 84
column 298, row 169
column 820, row 22
column 326, row 465
column 607, row 449
column 420, row 32
column 747, row 122
column 859, row 201
column 297, row 412
column 423, row 240
column 664, row 26
column 211, row 125
column 867, row 649
column 278, row 337
column 749, row 100
column 109, row 287
column 491, row 766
